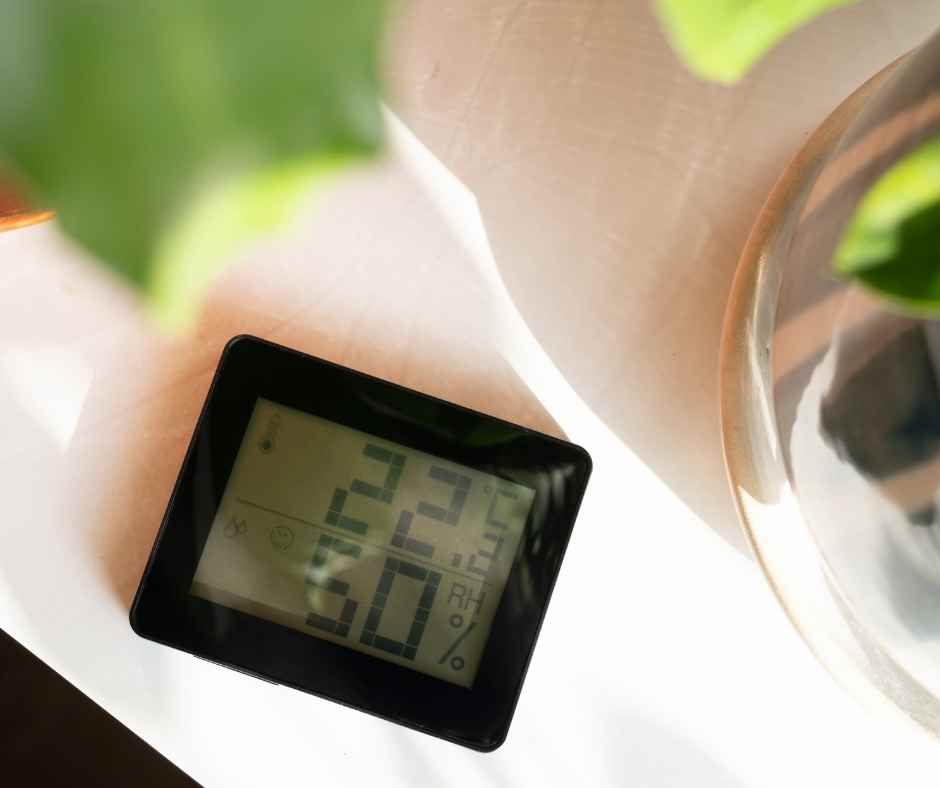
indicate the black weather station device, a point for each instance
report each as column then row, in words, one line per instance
column 363, row 542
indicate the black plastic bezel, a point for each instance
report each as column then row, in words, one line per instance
column 165, row 611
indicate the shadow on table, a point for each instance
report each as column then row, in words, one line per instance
column 617, row 192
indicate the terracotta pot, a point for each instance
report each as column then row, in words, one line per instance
column 14, row 212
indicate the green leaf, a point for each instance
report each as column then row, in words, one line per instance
column 721, row 39
column 163, row 132
column 892, row 243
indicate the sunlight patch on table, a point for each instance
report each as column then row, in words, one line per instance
column 50, row 384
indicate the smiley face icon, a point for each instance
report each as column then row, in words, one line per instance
column 282, row 538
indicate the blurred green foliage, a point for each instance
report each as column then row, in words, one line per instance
column 166, row 132
column 721, row 39
column 163, row 132
column 892, row 244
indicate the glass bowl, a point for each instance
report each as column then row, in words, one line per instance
column 831, row 411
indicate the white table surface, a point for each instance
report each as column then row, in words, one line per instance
column 559, row 148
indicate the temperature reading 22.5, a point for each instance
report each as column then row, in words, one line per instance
column 448, row 517
column 372, row 545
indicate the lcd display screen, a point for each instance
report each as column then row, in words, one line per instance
column 363, row 542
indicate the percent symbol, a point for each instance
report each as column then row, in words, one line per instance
column 456, row 621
